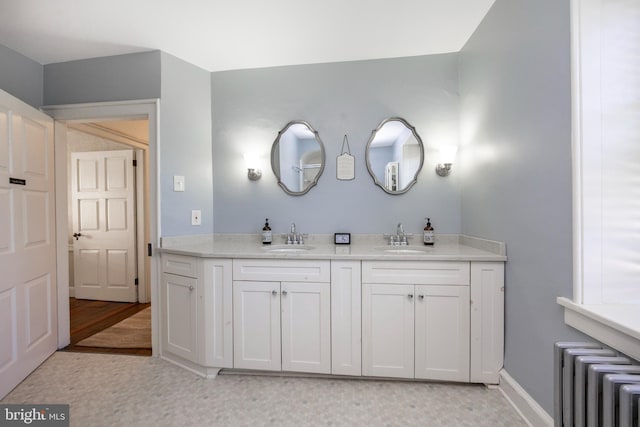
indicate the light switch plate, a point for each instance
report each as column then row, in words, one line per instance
column 196, row 217
column 178, row 183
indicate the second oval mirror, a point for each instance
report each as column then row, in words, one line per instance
column 297, row 158
column 394, row 155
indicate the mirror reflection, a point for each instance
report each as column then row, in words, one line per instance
column 394, row 155
column 297, row 158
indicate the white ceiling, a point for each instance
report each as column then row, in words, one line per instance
column 235, row 34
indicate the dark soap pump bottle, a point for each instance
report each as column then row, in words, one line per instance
column 266, row 233
column 429, row 238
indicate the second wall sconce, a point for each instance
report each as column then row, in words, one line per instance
column 447, row 155
column 253, row 171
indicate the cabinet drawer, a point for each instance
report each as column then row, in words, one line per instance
column 277, row 270
column 181, row 265
column 416, row 272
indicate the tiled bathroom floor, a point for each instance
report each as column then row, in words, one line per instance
column 116, row 390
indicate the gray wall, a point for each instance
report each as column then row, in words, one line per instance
column 516, row 167
column 21, row 77
column 110, row 78
column 251, row 106
column 185, row 120
column 185, row 143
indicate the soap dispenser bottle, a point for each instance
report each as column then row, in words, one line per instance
column 429, row 238
column 266, row 233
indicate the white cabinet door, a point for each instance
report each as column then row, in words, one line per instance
column 217, row 313
column 442, row 332
column 487, row 321
column 306, row 324
column 179, row 331
column 256, row 325
column 387, row 330
column 346, row 318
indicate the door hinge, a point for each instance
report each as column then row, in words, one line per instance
column 135, row 163
column 149, row 250
column 136, row 282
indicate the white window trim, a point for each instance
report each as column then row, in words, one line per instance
column 617, row 325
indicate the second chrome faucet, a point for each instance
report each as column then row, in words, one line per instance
column 294, row 238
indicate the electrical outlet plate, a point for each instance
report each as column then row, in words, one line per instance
column 196, row 217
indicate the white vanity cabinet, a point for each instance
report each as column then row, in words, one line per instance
column 423, row 319
column 196, row 311
column 282, row 321
column 416, row 319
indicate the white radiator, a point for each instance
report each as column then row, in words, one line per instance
column 594, row 386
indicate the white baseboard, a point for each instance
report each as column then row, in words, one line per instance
column 523, row 403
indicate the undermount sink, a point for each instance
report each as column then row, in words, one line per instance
column 404, row 250
column 287, row 248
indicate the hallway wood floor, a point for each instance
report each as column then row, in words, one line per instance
column 89, row 317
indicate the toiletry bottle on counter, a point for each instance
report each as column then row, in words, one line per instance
column 429, row 238
column 266, row 233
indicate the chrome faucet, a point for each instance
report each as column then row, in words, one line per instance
column 400, row 238
column 294, row 238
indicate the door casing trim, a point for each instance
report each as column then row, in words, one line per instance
column 78, row 113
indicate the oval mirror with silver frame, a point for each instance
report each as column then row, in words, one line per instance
column 297, row 157
column 394, row 155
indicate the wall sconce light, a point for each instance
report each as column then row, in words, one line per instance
column 447, row 155
column 253, row 171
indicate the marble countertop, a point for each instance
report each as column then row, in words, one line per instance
column 321, row 246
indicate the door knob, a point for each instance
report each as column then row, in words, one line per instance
column 76, row 235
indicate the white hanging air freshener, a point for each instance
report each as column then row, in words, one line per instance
column 345, row 163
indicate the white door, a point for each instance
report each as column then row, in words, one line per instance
column 442, row 332
column 28, row 304
column 306, row 327
column 180, row 304
column 387, row 330
column 103, row 209
column 256, row 325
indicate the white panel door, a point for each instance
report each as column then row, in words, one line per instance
column 256, row 325
column 387, row 330
column 306, row 327
column 28, row 304
column 442, row 332
column 103, row 206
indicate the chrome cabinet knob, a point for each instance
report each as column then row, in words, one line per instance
column 191, row 288
column 274, row 293
column 421, row 296
column 284, row 293
column 410, row 296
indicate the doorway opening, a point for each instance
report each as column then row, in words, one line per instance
column 104, row 122
column 107, row 222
